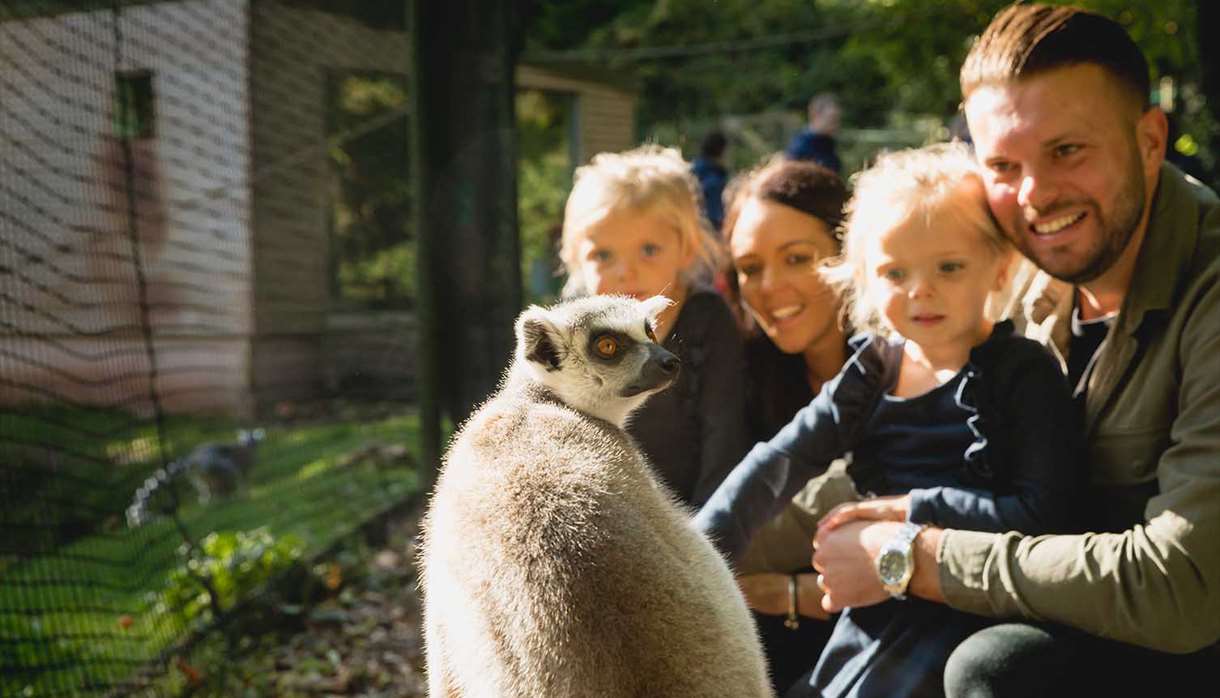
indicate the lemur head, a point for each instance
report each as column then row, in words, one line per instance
column 250, row 438
column 597, row 354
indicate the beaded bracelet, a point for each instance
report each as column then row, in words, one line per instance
column 793, row 621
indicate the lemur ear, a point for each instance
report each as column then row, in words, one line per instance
column 653, row 306
column 536, row 339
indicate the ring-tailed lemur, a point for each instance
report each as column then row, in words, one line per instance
column 553, row 563
column 213, row 469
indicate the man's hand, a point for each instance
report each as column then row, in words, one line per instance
column 768, row 593
column 844, row 555
column 893, row 508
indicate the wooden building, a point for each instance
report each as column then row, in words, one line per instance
column 230, row 208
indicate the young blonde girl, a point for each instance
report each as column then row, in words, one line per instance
column 632, row 226
column 950, row 418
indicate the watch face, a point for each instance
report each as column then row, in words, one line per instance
column 891, row 565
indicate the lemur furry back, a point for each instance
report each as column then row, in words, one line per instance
column 553, row 563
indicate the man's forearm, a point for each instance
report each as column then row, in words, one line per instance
column 925, row 582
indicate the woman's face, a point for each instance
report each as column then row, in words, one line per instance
column 776, row 250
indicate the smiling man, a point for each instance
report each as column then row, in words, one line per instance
column 1129, row 297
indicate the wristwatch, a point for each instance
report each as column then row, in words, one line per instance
column 896, row 561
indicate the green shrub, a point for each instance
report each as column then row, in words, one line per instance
column 235, row 563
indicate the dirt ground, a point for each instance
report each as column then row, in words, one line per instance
column 375, row 640
column 371, row 636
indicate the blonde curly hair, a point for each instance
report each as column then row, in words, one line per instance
column 648, row 178
column 920, row 186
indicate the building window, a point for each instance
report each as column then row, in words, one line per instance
column 546, row 146
column 372, row 250
column 135, row 113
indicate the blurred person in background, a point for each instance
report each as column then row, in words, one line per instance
column 816, row 142
column 708, row 168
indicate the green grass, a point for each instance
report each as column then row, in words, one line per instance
column 84, row 611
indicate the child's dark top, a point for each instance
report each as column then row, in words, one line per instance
column 1009, row 407
column 694, row 432
column 994, row 448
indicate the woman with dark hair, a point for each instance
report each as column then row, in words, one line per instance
column 781, row 224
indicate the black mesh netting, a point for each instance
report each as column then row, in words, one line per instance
column 204, row 286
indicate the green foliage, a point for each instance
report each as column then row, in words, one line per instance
column 382, row 279
column 894, row 63
column 373, row 256
column 235, row 563
column 98, row 605
column 544, row 121
column 134, row 113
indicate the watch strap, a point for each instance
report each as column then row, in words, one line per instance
column 903, row 543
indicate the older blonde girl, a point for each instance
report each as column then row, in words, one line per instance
column 632, row 226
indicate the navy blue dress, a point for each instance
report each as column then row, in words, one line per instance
column 996, row 448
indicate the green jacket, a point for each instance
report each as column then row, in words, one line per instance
column 1152, row 420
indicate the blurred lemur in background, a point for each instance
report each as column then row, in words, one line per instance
column 215, row 470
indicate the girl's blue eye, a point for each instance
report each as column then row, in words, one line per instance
column 895, row 275
column 601, row 255
column 950, row 267
column 798, row 260
column 651, row 249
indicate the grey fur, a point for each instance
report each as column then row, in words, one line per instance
column 553, row 563
column 214, row 470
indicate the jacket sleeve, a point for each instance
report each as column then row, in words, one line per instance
column 1033, row 413
column 723, row 431
column 1156, row 584
column 773, row 472
column 785, row 543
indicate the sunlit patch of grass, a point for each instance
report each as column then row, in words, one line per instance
column 86, row 609
column 315, row 468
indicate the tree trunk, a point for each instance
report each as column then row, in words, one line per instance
column 1207, row 18
column 464, row 173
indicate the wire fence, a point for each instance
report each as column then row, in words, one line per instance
column 205, row 339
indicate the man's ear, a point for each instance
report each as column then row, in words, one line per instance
column 537, row 339
column 1152, row 136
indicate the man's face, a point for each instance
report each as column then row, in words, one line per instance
column 1069, row 166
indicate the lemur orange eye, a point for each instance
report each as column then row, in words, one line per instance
column 606, row 346
column 648, row 331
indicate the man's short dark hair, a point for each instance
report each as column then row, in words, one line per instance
column 1027, row 39
column 713, row 145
